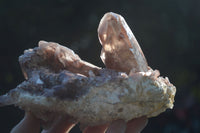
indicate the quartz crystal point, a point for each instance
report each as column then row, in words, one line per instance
column 59, row 83
column 121, row 50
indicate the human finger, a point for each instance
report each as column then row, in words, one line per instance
column 117, row 126
column 61, row 125
column 136, row 125
column 29, row 124
column 96, row 129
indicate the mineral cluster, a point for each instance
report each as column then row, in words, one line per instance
column 58, row 82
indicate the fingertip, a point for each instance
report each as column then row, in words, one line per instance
column 96, row 129
column 136, row 125
column 117, row 126
column 29, row 124
column 62, row 125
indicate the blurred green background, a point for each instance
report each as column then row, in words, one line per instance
column 168, row 32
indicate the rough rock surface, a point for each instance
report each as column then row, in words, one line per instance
column 58, row 82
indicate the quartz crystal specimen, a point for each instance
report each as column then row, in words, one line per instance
column 121, row 50
column 59, row 83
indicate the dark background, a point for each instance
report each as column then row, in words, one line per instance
column 168, row 32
